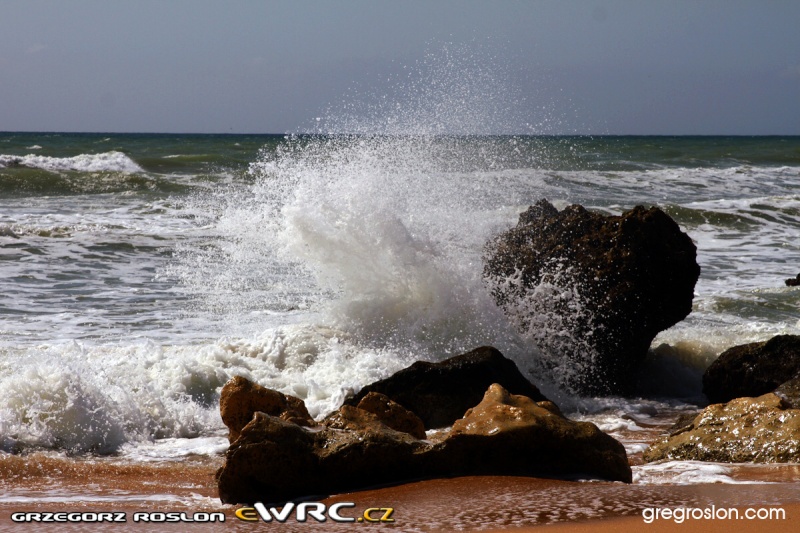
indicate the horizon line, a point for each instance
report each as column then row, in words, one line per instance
column 308, row 133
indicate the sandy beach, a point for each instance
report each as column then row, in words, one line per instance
column 47, row 484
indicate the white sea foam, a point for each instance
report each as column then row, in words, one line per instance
column 88, row 496
column 83, row 398
column 101, row 398
column 174, row 448
column 684, row 473
column 103, row 162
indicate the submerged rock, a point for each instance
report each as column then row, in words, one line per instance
column 240, row 399
column 760, row 430
column 275, row 461
column 603, row 285
column 752, row 369
column 440, row 393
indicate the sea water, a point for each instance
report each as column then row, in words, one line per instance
column 140, row 272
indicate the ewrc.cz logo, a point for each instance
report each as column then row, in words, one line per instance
column 117, row 517
column 316, row 510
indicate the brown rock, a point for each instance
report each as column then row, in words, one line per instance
column 357, row 419
column 241, row 398
column 393, row 414
column 619, row 281
column 513, row 435
column 760, row 430
column 275, row 461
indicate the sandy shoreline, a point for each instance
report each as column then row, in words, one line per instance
column 41, row 483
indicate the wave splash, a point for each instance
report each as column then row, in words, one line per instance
column 103, row 162
column 378, row 233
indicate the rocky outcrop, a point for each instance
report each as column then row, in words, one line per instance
column 389, row 414
column 440, row 393
column 514, row 435
column 752, row 369
column 393, row 414
column 619, row 281
column 274, row 460
column 793, row 282
column 761, row 430
column 240, row 399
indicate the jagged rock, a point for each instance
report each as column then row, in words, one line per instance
column 514, row 435
column 613, row 283
column 793, row 282
column 760, row 430
column 240, row 399
column 440, row 393
column 275, row 461
column 393, row 414
column 752, row 369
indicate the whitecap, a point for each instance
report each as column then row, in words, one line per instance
column 103, row 162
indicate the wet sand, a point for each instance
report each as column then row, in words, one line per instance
column 42, row 483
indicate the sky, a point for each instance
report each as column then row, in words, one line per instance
column 551, row 67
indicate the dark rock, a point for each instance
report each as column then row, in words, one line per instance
column 240, row 399
column 793, row 282
column 276, row 461
column 789, row 392
column 683, row 423
column 752, row 369
column 440, row 393
column 621, row 280
column 760, row 430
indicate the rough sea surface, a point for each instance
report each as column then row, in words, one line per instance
column 140, row 272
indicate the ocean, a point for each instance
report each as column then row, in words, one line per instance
column 141, row 271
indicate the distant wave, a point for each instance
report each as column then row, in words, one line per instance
column 104, row 162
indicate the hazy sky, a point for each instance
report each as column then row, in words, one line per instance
column 614, row 67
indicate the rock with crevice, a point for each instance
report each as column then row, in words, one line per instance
column 393, row 414
column 240, row 399
column 273, row 460
column 592, row 291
